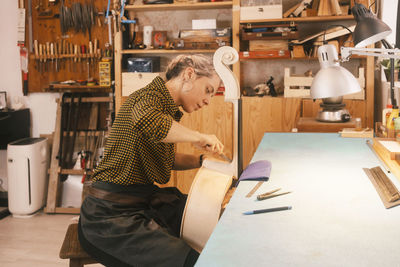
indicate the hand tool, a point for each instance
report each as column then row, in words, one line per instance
column 75, row 56
column 44, row 58
column 90, row 58
column 222, row 155
column 47, row 57
column 36, row 48
column 271, row 194
column 83, row 57
column 30, row 31
column 41, row 57
column 52, row 56
column 95, row 50
column 56, row 55
column 252, row 191
column 59, row 54
column 267, row 210
column 64, row 52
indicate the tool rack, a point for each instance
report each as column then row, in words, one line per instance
column 61, row 51
column 82, row 120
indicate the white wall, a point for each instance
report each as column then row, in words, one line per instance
column 389, row 14
column 41, row 105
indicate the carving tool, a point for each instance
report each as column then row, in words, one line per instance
column 267, row 210
column 46, row 53
column 56, row 55
column 36, row 48
column 271, row 195
column 52, row 56
column 41, row 57
column 252, row 191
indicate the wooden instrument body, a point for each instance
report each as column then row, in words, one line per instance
column 203, row 206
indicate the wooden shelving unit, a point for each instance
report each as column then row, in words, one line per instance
column 180, row 6
column 166, row 51
column 260, row 114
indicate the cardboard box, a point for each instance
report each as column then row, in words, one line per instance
column 105, row 73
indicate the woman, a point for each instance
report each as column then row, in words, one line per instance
column 126, row 220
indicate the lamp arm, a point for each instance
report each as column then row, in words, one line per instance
column 347, row 52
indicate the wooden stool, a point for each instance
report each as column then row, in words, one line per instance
column 71, row 249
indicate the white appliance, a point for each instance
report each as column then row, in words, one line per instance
column 27, row 164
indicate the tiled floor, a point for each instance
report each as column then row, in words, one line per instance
column 34, row 241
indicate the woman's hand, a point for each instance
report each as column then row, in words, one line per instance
column 210, row 143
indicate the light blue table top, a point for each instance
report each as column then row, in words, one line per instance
column 337, row 218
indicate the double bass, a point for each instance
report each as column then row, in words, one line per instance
column 214, row 178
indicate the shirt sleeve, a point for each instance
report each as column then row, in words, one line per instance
column 150, row 120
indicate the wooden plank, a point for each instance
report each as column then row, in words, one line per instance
column 384, row 155
column 290, row 10
column 118, row 70
column 369, row 91
column 92, row 99
column 54, row 181
column 94, row 115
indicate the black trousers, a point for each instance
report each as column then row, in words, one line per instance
column 146, row 234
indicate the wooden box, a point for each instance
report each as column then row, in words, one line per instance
column 271, row 10
column 133, row 81
column 299, row 86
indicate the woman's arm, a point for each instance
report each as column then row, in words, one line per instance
column 181, row 134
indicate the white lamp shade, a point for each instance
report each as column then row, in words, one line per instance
column 332, row 80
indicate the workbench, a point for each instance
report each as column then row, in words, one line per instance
column 337, row 217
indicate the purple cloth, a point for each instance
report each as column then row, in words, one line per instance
column 258, row 171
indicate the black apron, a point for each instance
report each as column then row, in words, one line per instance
column 145, row 233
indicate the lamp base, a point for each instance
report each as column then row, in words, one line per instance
column 339, row 115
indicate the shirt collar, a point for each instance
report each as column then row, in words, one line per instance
column 172, row 108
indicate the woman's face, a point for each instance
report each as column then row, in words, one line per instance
column 197, row 92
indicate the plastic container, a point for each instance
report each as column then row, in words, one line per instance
column 390, row 122
column 358, row 124
column 386, row 113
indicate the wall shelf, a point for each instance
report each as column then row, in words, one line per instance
column 302, row 19
column 194, row 6
column 166, row 51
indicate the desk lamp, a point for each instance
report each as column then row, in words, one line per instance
column 369, row 30
column 331, row 83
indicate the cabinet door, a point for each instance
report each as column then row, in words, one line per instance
column 266, row 114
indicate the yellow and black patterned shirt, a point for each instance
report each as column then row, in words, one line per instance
column 134, row 153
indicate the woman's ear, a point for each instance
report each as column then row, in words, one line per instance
column 188, row 74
